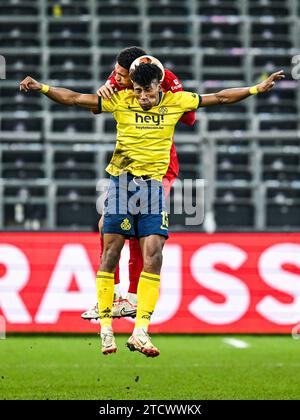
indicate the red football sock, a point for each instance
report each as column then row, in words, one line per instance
column 117, row 272
column 135, row 264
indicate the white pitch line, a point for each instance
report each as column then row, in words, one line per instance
column 239, row 344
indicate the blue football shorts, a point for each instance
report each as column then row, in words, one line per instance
column 135, row 206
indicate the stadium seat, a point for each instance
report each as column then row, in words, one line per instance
column 13, row 100
column 74, row 174
column 180, row 64
column 189, row 165
column 271, row 35
column 19, row 34
column 122, row 34
column 237, row 195
column 68, row 8
column 75, row 192
column 70, row 66
column 237, row 205
column 239, row 108
column 267, row 124
column 279, row 143
column 117, row 8
column 281, row 166
column 76, row 214
column 33, row 124
column 69, row 35
column 110, row 125
column 217, row 8
column 268, row 8
column 220, row 35
column 19, row 64
column 167, row 8
column 267, row 62
column 23, row 164
column 229, row 124
column 25, row 205
column 283, row 216
column 17, row 8
column 27, row 216
column 232, row 69
column 231, row 216
column 73, row 125
column 233, row 168
column 23, row 193
column 283, row 195
column 170, row 34
column 74, row 166
column 234, row 145
column 278, row 101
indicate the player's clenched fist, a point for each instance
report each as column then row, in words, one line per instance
column 270, row 81
column 30, row 84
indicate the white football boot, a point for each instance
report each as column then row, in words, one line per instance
column 92, row 313
column 123, row 308
column 140, row 341
column 108, row 341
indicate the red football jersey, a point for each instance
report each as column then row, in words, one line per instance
column 173, row 84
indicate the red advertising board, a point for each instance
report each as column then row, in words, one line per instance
column 220, row 283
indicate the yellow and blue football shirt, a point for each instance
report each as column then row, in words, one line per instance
column 144, row 138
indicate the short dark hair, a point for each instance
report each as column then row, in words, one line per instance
column 144, row 74
column 127, row 56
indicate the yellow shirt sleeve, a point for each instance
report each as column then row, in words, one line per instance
column 108, row 105
column 189, row 101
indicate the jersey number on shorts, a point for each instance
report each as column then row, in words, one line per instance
column 165, row 220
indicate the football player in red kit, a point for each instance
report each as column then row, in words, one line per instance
column 119, row 80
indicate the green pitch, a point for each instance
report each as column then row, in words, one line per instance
column 189, row 367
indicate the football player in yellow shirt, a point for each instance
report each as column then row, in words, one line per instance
column 146, row 119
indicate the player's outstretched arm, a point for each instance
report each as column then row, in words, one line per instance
column 60, row 95
column 230, row 96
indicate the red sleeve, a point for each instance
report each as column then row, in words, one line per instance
column 188, row 118
column 173, row 169
column 172, row 83
column 113, row 82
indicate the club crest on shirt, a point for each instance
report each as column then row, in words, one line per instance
column 163, row 110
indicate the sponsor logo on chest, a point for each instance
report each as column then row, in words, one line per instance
column 149, row 119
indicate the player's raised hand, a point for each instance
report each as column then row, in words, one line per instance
column 267, row 84
column 30, row 84
column 106, row 90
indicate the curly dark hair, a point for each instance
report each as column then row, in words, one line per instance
column 127, row 56
column 144, row 74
